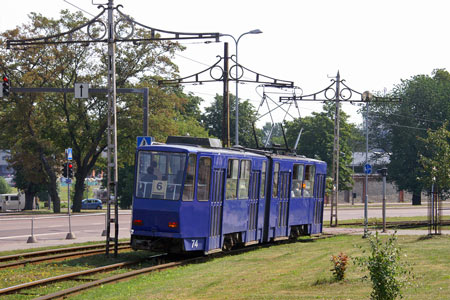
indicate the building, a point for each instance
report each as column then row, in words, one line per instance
column 377, row 159
column 5, row 169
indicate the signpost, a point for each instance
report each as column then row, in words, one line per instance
column 70, row 235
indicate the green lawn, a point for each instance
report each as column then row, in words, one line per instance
column 289, row 271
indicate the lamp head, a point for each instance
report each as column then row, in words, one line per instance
column 255, row 31
column 366, row 96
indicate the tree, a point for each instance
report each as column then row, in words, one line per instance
column 28, row 171
column 424, row 105
column 317, row 141
column 54, row 121
column 212, row 120
column 436, row 159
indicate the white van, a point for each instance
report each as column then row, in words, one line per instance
column 12, row 202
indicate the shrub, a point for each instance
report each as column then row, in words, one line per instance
column 4, row 186
column 339, row 265
column 387, row 273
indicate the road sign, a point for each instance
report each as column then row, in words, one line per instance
column 81, row 90
column 68, row 180
column 143, row 141
column 69, row 153
column 367, row 169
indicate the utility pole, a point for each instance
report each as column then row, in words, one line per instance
column 112, row 137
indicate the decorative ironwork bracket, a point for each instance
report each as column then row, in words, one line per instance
column 97, row 32
column 216, row 73
column 345, row 94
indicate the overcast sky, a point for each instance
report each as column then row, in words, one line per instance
column 374, row 44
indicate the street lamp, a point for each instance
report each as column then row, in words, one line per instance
column 236, row 41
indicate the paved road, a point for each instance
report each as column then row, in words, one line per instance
column 52, row 230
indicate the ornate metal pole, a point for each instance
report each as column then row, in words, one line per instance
column 335, row 167
column 226, row 100
column 366, row 179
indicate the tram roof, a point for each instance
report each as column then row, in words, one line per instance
column 229, row 151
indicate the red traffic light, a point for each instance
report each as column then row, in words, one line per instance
column 70, row 166
column 5, row 78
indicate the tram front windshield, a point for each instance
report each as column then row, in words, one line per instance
column 160, row 175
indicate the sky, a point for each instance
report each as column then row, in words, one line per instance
column 373, row 44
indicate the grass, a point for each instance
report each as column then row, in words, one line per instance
column 288, row 271
column 299, row 270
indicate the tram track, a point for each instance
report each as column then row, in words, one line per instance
column 55, row 254
column 159, row 261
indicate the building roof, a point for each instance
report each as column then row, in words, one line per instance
column 376, row 157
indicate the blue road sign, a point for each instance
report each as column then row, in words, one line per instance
column 367, row 169
column 68, row 180
column 69, row 153
column 143, row 141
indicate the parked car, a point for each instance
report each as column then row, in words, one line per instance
column 91, row 204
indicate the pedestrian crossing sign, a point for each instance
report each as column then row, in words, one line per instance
column 144, row 141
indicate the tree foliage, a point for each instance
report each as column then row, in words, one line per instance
column 436, row 159
column 423, row 106
column 212, row 120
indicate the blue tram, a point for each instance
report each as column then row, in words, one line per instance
column 194, row 197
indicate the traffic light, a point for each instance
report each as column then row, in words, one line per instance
column 64, row 170
column 6, row 86
column 70, row 168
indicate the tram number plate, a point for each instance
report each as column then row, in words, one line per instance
column 194, row 244
column 159, row 187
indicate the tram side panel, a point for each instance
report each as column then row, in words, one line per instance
column 242, row 212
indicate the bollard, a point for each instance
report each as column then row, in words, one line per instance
column 32, row 238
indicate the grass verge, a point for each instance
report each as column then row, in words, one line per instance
column 288, row 271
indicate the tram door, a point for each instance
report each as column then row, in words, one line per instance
column 319, row 193
column 283, row 204
column 253, row 203
column 215, row 228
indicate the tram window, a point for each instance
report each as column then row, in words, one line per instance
column 204, row 178
column 188, row 192
column 297, row 179
column 160, row 175
column 244, row 179
column 263, row 180
column 308, row 184
column 232, row 178
column 276, row 170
